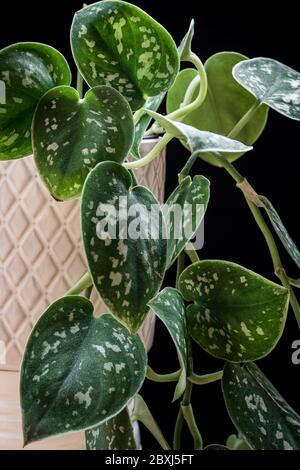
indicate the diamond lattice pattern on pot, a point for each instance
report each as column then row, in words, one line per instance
column 41, row 253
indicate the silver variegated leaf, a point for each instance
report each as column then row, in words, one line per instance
column 123, row 230
column 237, row 314
column 28, row 70
column 281, row 231
column 71, row 135
column 184, row 212
column 258, row 410
column 272, row 83
column 199, row 141
column 114, row 434
column 169, row 306
column 78, row 371
column 118, row 44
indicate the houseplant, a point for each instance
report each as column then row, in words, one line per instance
column 238, row 333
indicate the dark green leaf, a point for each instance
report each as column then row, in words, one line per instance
column 28, row 71
column 199, row 141
column 184, row 212
column 168, row 305
column 238, row 315
column 126, row 251
column 257, row 409
column 78, row 371
column 114, row 434
column 116, row 43
column 281, row 231
column 225, row 104
column 271, row 83
column 71, row 135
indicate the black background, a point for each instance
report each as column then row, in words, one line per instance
column 230, row 231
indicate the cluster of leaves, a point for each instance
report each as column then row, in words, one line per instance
column 79, row 372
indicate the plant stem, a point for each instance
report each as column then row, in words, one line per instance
column 180, row 113
column 192, row 253
column 190, row 419
column 188, row 166
column 180, row 417
column 188, row 97
column 177, row 431
column 276, row 260
column 172, row 377
column 187, row 412
column 79, row 84
column 83, row 283
column 180, row 267
column 151, row 155
column 294, row 282
column 138, row 115
column 244, row 120
column 205, row 379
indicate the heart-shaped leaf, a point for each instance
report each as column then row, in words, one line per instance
column 238, row 315
column 116, row 43
column 184, row 212
column 199, row 141
column 281, row 231
column 114, row 434
column 71, row 135
column 169, row 306
column 123, row 238
column 225, row 104
column 271, row 83
column 258, row 411
column 78, row 371
column 152, row 103
column 28, row 71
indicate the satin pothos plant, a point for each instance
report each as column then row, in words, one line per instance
column 80, row 371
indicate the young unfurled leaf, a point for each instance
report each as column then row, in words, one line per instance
column 185, row 47
column 123, row 238
column 199, row 141
column 28, row 71
column 78, row 371
column 281, row 231
column 184, row 212
column 71, row 135
column 169, row 306
column 116, row 43
column 257, row 409
column 140, row 128
column 114, row 434
column 142, row 413
column 235, row 442
column 225, row 104
column 237, row 314
column 271, row 83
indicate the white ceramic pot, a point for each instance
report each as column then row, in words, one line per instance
column 41, row 257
